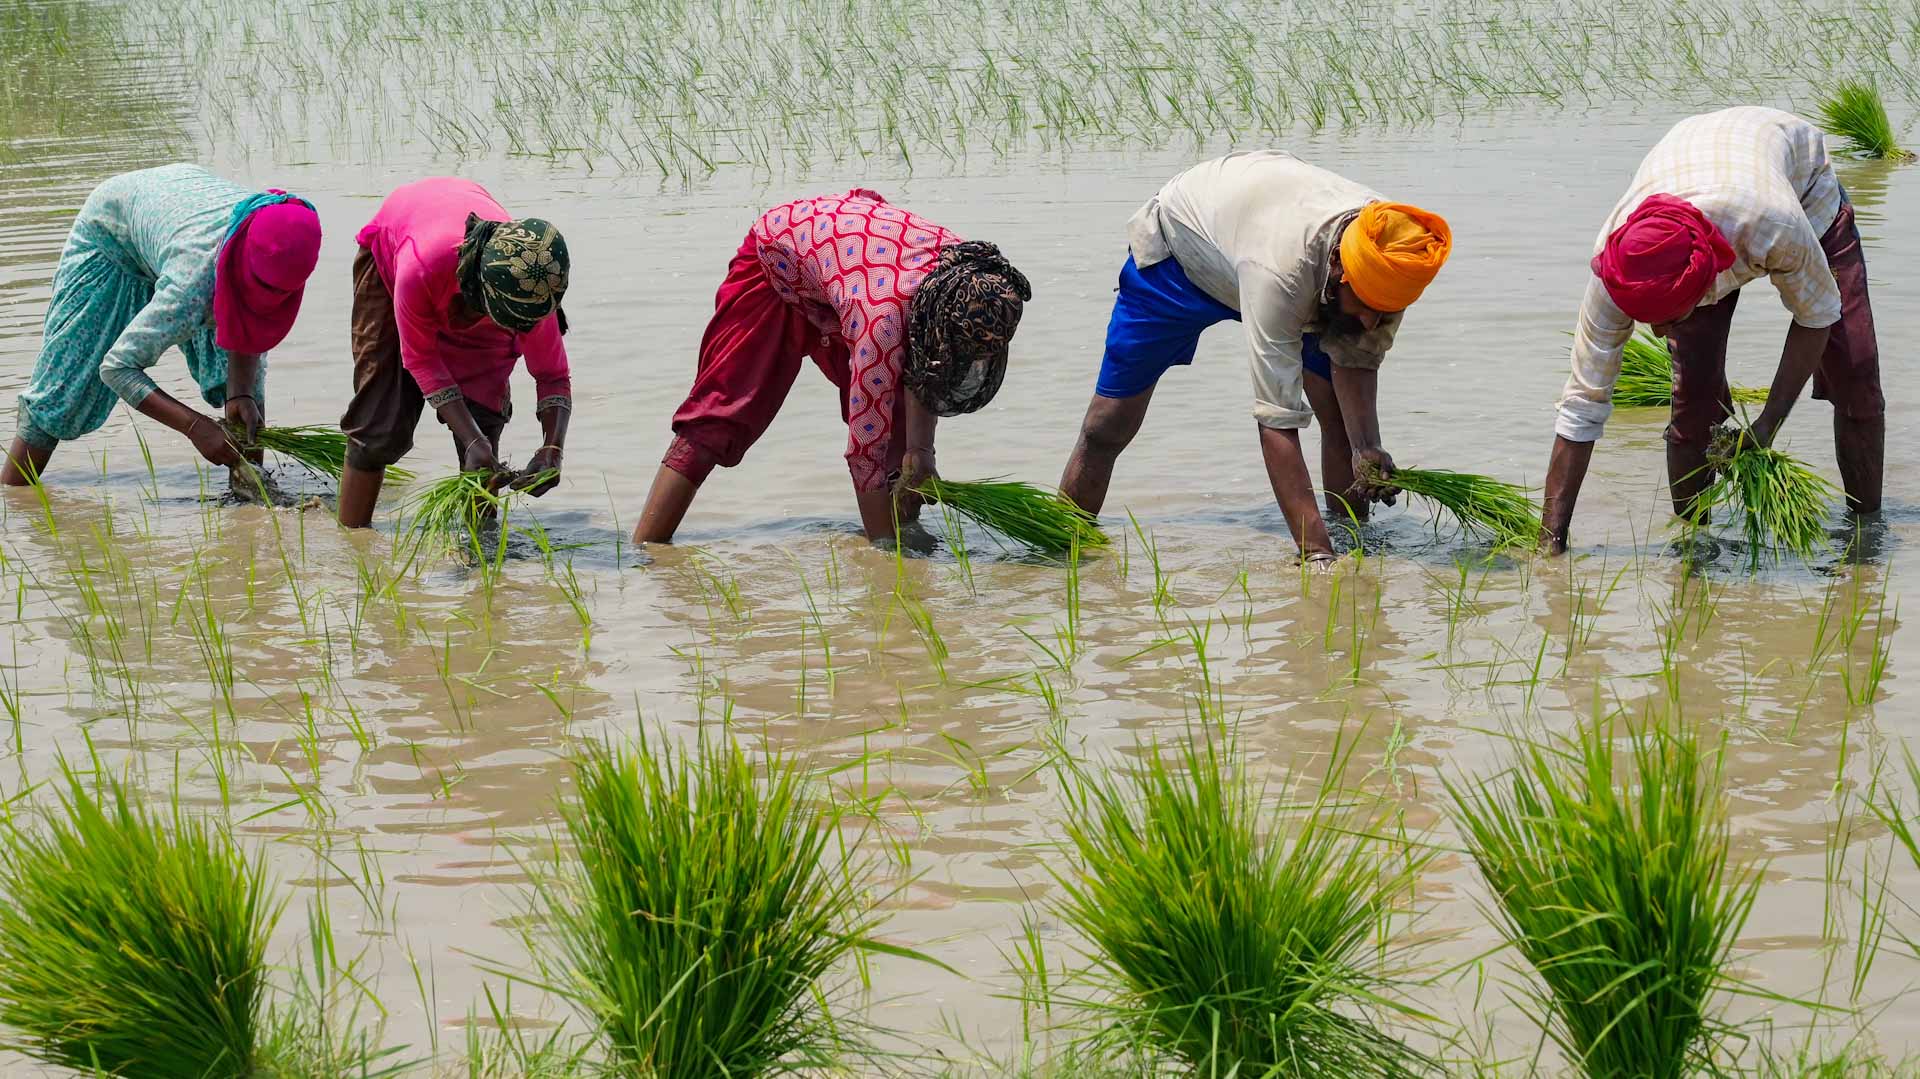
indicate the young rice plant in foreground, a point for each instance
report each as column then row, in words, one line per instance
column 1230, row 935
column 1019, row 512
column 1613, row 879
column 705, row 904
column 1855, row 115
column 439, row 517
column 131, row 944
column 1646, row 376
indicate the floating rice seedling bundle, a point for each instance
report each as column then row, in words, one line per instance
column 1646, row 376
column 1855, row 114
column 1502, row 513
column 1019, row 513
column 132, row 945
column 1229, row 937
column 705, row 904
column 319, row 449
column 1781, row 504
column 1615, row 884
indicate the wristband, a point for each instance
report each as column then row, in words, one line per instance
column 232, row 397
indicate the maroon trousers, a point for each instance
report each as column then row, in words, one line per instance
column 1849, row 371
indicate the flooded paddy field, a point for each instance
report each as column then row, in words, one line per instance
column 398, row 744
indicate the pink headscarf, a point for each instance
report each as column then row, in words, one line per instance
column 262, row 274
column 1660, row 263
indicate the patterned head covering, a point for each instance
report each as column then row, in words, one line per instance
column 514, row 272
column 958, row 327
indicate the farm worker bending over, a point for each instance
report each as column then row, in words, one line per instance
column 1722, row 199
column 908, row 320
column 1316, row 268
column 159, row 258
column 448, row 292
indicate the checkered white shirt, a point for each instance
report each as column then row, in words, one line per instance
column 1761, row 176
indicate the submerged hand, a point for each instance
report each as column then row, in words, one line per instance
column 1371, row 467
column 546, row 459
column 245, row 418
column 211, row 440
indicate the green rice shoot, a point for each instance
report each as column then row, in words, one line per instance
column 1855, row 115
column 1646, row 376
column 132, row 942
column 1230, row 934
column 448, row 514
column 1614, row 880
column 1501, row 513
column 707, row 903
column 1781, row 505
column 319, row 449
column 1020, row 514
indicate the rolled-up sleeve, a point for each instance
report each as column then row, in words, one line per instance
column 1798, row 267
column 1587, row 399
column 170, row 317
column 546, row 354
column 1273, row 324
column 1365, row 351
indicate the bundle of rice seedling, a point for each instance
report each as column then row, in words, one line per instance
column 1619, row 890
column 1019, row 513
column 706, row 902
column 320, row 450
column 447, row 513
column 1646, row 376
column 1233, row 936
column 1782, row 505
column 132, row 945
column 1855, row 114
column 1501, row 513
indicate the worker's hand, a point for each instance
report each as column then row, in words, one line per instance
column 546, row 459
column 916, row 468
column 245, row 418
column 1763, row 430
column 211, row 440
column 1370, row 467
column 478, row 456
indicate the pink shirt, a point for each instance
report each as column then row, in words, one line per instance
column 853, row 263
column 415, row 239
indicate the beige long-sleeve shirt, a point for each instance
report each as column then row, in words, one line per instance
column 1257, row 231
column 1762, row 177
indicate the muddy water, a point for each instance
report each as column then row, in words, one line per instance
column 440, row 711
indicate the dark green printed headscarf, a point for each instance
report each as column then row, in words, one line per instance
column 514, row 272
column 958, row 327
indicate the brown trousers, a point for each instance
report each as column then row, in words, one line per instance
column 387, row 402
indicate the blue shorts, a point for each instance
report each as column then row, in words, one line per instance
column 1158, row 316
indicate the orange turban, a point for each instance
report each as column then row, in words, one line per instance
column 1391, row 251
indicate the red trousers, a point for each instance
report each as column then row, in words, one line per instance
column 749, row 358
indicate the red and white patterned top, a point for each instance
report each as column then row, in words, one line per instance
column 852, row 263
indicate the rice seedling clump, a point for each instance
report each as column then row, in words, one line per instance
column 131, row 944
column 1617, row 886
column 1501, row 513
column 1646, row 376
column 1855, row 115
column 1019, row 513
column 1226, row 936
column 703, row 909
column 318, row 449
column 1782, row 505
